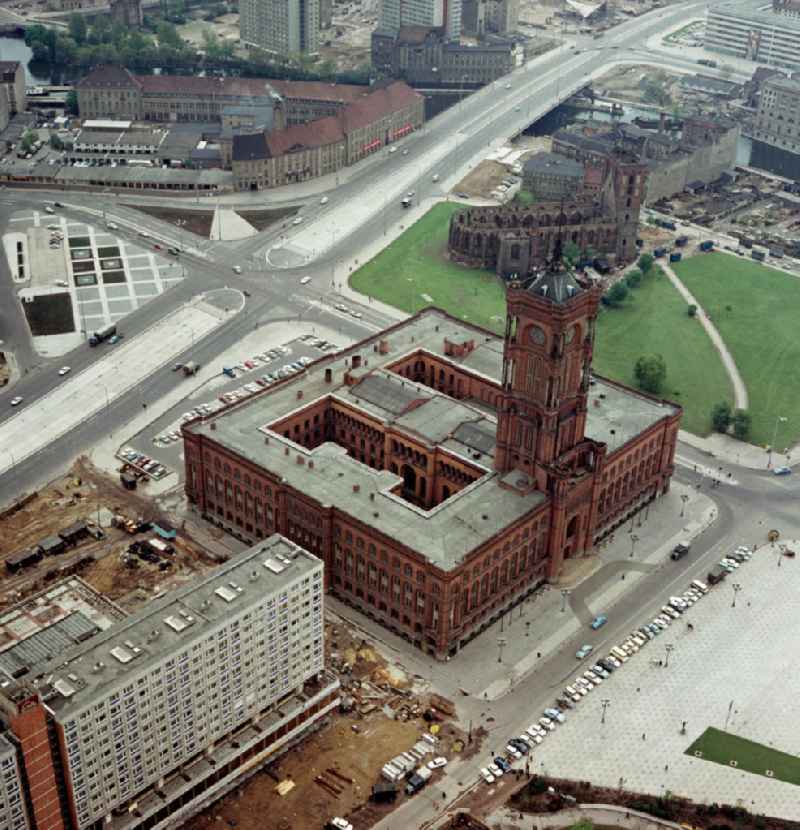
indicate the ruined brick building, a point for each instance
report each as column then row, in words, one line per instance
column 441, row 472
column 600, row 217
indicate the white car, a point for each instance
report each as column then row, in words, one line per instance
column 547, row 724
column 305, row 281
column 536, row 731
column 144, row 234
column 593, row 678
column 356, row 314
column 437, row 762
column 487, row 776
column 237, row 269
column 535, row 739
column 298, row 220
column 513, row 752
column 64, row 370
column 495, row 770
column 508, row 86
column 324, row 200
column 340, row 823
column 393, row 149
column 16, row 401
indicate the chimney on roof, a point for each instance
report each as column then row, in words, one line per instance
column 310, row 464
column 300, row 460
column 383, row 346
column 356, row 488
column 266, row 439
column 356, row 361
column 328, row 375
column 299, row 394
column 286, row 451
column 212, row 425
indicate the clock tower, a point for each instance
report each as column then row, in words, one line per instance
column 550, row 330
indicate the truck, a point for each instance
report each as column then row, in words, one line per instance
column 675, row 256
column 190, row 368
column 659, row 252
column 681, row 241
column 102, row 335
column 405, row 202
column 706, row 245
column 418, row 780
column 758, row 256
column 707, row 62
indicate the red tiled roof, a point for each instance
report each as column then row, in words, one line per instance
column 192, row 85
column 109, row 76
column 319, row 91
column 377, row 104
column 303, row 136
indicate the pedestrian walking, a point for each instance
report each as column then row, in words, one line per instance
column 644, row 736
column 666, row 767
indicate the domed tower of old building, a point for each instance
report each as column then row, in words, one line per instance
column 541, row 443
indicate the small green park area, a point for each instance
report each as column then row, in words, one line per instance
column 414, row 272
column 747, row 756
column 756, row 310
column 653, row 319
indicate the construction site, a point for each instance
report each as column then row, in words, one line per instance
column 131, row 549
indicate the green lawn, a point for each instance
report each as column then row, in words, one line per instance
column 654, row 319
column 413, row 272
column 415, row 267
column 722, row 748
column 760, row 329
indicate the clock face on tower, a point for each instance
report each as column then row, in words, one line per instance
column 536, row 336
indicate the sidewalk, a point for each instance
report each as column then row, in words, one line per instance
column 730, row 451
column 538, row 626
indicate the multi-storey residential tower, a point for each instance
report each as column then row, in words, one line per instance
column 283, row 27
column 137, row 721
column 440, row 14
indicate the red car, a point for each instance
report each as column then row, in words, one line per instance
column 156, row 247
column 250, row 364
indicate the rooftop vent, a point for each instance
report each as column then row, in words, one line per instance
column 328, row 375
column 299, row 394
column 356, row 488
column 356, row 361
column 266, row 439
column 300, row 460
column 485, row 517
column 602, row 396
column 372, row 496
column 286, row 451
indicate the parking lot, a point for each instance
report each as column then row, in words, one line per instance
column 723, row 660
column 161, row 444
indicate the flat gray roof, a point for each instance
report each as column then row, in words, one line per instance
column 146, row 175
column 447, row 533
column 131, row 646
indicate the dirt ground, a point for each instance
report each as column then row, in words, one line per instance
column 624, row 82
column 356, row 756
column 481, row 181
column 86, row 494
column 261, row 219
column 195, row 221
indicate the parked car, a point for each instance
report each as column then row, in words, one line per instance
column 487, row 776
column 555, row 714
column 584, row 651
column 782, row 471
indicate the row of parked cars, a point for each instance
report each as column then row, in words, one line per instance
column 143, row 462
column 573, row 693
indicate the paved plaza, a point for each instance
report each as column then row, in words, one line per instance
column 105, row 276
column 735, row 672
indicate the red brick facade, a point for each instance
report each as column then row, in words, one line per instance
column 589, row 489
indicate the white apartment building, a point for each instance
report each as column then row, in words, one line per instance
column 13, row 815
column 282, row 27
column 445, row 14
column 760, row 32
column 157, row 713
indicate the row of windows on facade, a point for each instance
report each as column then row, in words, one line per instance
column 611, row 496
column 631, row 459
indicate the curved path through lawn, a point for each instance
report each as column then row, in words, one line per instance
column 739, row 389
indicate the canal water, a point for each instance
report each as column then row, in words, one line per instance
column 36, row 73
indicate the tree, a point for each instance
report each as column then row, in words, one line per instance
column 645, row 263
column 27, row 141
column 616, row 294
column 571, row 254
column 77, row 28
column 741, row 424
column 692, row 310
column 721, row 416
column 650, row 372
column 71, row 103
column 634, row 278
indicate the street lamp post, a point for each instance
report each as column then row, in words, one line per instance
column 668, row 648
column 779, row 420
column 684, row 499
column 501, row 644
column 564, row 595
column 604, row 704
column 736, row 588
column 634, row 540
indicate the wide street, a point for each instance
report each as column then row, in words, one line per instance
column 363, row 211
